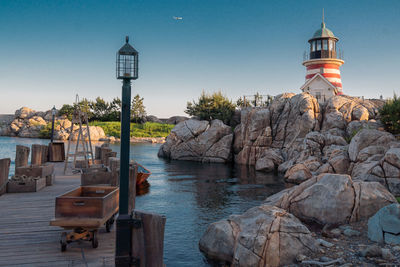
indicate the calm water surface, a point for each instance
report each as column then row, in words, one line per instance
column 191, row 195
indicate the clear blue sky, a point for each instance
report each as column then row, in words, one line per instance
column 51, row 50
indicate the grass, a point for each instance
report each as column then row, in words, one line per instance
column 398, row 199
column 148, row 129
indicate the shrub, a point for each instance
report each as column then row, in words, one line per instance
column 148, row 129
column 390, row 115
column 210, row 107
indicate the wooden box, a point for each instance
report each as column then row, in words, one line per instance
column 56, row 152
column 99, row 178
column 33, row 185
column 46, row 171
column 88, row 202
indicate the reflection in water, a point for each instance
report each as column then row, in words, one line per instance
column 191, row 195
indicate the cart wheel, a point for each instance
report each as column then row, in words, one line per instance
column 63, row 241
column 109, row 225
column 95, row 241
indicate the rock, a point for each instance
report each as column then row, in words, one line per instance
column 96, row 133
column 199, row 141
column 387, row 255
column 262, row 236
column 368, row 137
column 298, row 174
column 270, row 160
column 392, row 156
column 351, row 232
column 360, row 113
column 300, row 257
column 252, row 136
column 324, row 243
column 372, row 251
column 176, row 119
column 24, row 113
column 384, row 226
column 336, row 231
column 332, row 198
column 152, row 118
column 393, row 186
column 325, row 259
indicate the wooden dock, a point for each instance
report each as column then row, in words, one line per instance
column 27, row 239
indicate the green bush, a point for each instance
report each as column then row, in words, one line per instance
column 398, row 199
column 210, row 107
column 390, row 115
column 45, row 132
column 148, row 129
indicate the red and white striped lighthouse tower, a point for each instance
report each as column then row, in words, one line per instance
column 323, row 58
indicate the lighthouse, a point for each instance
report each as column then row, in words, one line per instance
column 323, row 66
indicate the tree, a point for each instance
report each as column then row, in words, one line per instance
column 210, row 107
column 390, row 115
column 138, row 111
column 67, row 110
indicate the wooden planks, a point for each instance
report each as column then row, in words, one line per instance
column 27, row 239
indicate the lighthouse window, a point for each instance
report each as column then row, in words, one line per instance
column 331, row 45
column 318, row 45
column 312, row 46
column 325, row 44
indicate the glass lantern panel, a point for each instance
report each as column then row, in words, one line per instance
column 318, row 45
column 325, row 44
column 312, row 46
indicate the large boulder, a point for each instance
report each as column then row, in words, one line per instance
column 24, row 113
column 384, row 226
column 176, row 119
column 199, row 141
column 341, row 110
column 96, row 133
column 262, row 236
column 333, row 198
column 366, row 138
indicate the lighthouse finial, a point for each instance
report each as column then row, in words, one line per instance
column 323, row 19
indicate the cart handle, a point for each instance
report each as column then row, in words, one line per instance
column 79, row 203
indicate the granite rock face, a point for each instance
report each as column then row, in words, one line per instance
column 199, row 141
column 333, row 198
column 262, row 236
column 384, row 226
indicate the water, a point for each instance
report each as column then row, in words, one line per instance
column 191, row 195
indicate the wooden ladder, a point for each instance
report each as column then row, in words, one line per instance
column 86, row 151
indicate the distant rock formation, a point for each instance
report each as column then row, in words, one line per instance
column 29, row 123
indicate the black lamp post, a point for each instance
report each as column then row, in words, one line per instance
column 53, row 113
column 127, row 70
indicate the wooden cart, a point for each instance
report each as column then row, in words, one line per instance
column 84, row 210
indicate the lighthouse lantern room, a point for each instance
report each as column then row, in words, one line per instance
column 323, row 74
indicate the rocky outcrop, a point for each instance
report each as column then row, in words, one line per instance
column 199, row 141
column 30, row 123
column 333, row 198
column 384, row 226
column 262, row 236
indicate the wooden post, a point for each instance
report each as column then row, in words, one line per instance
column 132, row 187
column 109, row 155
column 21, row 156
column 113, row 164
column 56, row 152
column 39, row 154
column 4, row 171
column 97, row 152
column 104, row 151
column 148, row 240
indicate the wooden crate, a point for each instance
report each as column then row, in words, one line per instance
column 88, row 202
column 33, row 185
column 56, row 152
column 46, row 171
column 99, row 178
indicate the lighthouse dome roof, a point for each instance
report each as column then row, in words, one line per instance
column 323, row 33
